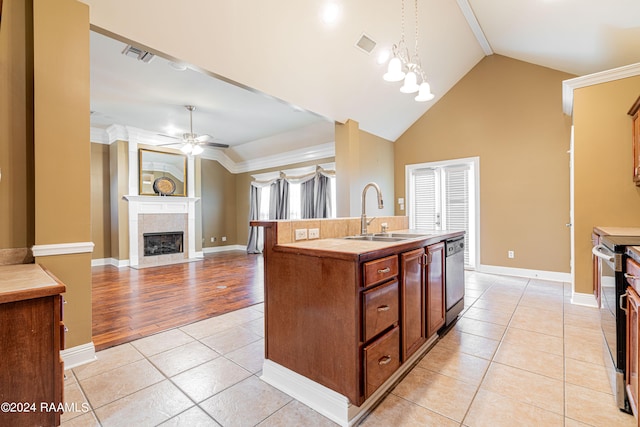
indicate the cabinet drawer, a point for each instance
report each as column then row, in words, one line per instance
column 380, row 309
column 381, row 360
column 380, row 270
column 633, row 274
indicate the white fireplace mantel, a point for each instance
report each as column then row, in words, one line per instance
column 160, row 205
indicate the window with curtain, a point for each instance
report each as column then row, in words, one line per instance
column 291, row 194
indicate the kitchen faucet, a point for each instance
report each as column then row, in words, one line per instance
column 363, row 218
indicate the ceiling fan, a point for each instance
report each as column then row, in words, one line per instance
column 193, row 143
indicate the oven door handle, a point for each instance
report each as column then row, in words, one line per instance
column 623, row 307
column 596, row 251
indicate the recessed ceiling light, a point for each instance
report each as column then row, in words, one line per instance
column 177, row 66
column 383, row 56
column 331, row 13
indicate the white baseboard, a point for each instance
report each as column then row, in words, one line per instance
column 110, row 261
column 78, row 355
column 215, row 249
column 554, row 276
column 588, row 300
column 327, row 402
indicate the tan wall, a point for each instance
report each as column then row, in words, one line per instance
column 509, row 113
column 218, row 204
column 62, row 154
column 243, row 182
column 362, row 158
column 605, row 194
column 16, row 127
column 100, row 201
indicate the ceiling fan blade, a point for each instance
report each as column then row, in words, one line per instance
column 215, row 144
column 204, row 138
column 169, row 136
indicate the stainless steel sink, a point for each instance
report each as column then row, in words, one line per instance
column 402, row 235
column 378, row 238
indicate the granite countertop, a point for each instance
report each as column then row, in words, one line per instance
column 617, row 231
column 26, row 281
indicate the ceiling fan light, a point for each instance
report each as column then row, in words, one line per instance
column 410, row 83
column 197, row 149
column 394, row 71
column 186, row 148
column 424, row 93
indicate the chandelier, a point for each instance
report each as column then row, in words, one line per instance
column 404, row 66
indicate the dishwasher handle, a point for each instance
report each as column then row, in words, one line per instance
column 596, row 251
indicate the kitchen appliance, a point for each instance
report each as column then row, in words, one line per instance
column 454, row 279
column 612, row 260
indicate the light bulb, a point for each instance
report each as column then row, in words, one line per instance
column 410, row 83
column 394, row 71
column 197, row 149
column 424, row 93
column 186, row 148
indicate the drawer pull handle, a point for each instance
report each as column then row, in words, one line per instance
column 66, row 329
column 631, row 276
column 384, row 308
column 384, row 360
column 384, row 270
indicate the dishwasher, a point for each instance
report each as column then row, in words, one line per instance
column 454, row 279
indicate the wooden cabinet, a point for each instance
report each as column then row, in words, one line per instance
column 422, row 296
column 413, row 301
column 635, row 128
column 435, row 288
column 31, row 337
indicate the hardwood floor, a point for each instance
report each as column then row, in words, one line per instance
column 129, row 304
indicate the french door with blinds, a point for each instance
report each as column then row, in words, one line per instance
column 443, row 196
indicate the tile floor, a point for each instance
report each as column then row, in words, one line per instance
column 521, row 355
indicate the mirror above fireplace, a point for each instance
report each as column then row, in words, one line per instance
column 162, row 173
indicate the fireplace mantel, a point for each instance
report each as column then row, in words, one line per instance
column 142, row 205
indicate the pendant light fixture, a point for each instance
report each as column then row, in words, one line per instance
column 404, row 66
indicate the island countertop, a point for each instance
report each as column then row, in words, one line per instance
column 344, row 248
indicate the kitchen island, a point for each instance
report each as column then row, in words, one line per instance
column 345, row 318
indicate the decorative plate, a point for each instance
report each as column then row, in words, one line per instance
column 164, row 186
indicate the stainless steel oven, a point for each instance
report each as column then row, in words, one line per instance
column 611, row 258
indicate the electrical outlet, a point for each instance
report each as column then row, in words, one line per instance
column 224, row 238
column 314, row 233
column 213, row 239
column 301, row 233
column 510, row 254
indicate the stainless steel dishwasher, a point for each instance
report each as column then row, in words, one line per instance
column 454, row 278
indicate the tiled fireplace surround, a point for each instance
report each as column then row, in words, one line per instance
column 149, row 214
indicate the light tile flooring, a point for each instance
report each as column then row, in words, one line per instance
column 521, row 355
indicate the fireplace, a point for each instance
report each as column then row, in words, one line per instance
column 163, row 243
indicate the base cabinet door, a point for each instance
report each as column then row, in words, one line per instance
column 435, row 288
column 631, row 381
column 413, row 300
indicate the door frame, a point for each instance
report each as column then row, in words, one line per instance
column 474, row 204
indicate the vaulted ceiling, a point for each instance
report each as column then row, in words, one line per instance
column 273, row 76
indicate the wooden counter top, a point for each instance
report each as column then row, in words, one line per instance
column 351, row 248
column 617, row 231
column 26, row 281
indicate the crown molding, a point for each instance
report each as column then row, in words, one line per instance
column 568, row 86
column 126, row 133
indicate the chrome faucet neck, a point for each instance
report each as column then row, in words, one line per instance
column 363, row 217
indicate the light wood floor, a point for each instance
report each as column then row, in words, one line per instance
column 129, row 304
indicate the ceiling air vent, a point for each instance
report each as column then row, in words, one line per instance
column 366, row 43
column 139, row 54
